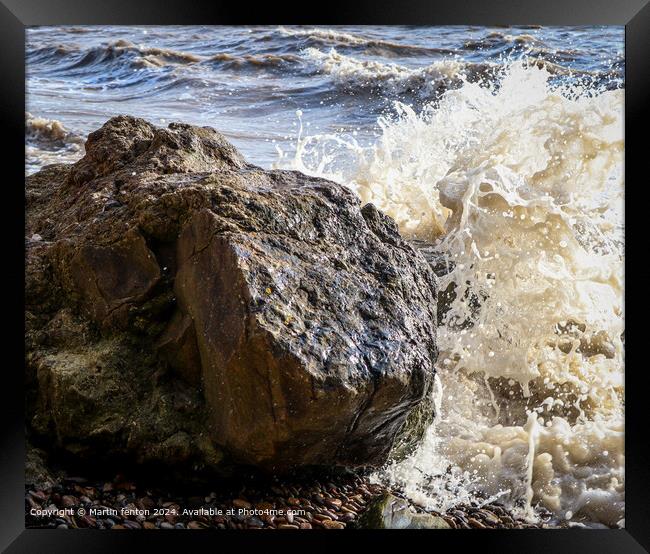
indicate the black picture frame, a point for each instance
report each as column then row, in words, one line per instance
column 15, row 15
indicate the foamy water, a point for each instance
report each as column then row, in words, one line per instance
column 501, row 149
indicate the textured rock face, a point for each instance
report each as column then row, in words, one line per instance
column 186, row 304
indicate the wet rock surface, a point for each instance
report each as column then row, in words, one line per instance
column 188, row 309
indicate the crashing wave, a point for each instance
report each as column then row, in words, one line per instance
column 519, row 184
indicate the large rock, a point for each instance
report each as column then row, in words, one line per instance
column 183, row 305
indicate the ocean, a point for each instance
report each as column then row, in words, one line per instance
column 499, row 148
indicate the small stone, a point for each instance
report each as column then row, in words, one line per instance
column 112, row 204
column 39, row 496
column 166, row 525
column 68, row 501
column 256, row 522
column 476, row 523
column 334, row 503
column 287, row 526
column 329, row 524
column 241, row 504
column 488, row 517
column 87, row 521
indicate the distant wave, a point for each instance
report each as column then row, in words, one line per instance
column 122, row 63
column 350, row 72
column 380, row 47
column 127, row 55
column 497, row 39
column 231, row 61
column 120, row 50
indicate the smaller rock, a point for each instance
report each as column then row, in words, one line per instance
column 391, row 512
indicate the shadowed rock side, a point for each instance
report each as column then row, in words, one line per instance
column 183, row 305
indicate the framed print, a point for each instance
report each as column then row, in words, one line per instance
column 362, row 272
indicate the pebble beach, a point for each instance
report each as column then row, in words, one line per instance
column 337, row 503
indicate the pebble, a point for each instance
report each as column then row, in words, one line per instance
column 334, row 503
column 329, row 524
column 254, row 522
column 331, row 515
column 68, row 501
column 475, row 523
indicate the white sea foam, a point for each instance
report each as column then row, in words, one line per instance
column 521, row 186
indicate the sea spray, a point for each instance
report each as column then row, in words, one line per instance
column 519, row 184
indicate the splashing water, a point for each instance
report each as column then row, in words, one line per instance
column 518, row 184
